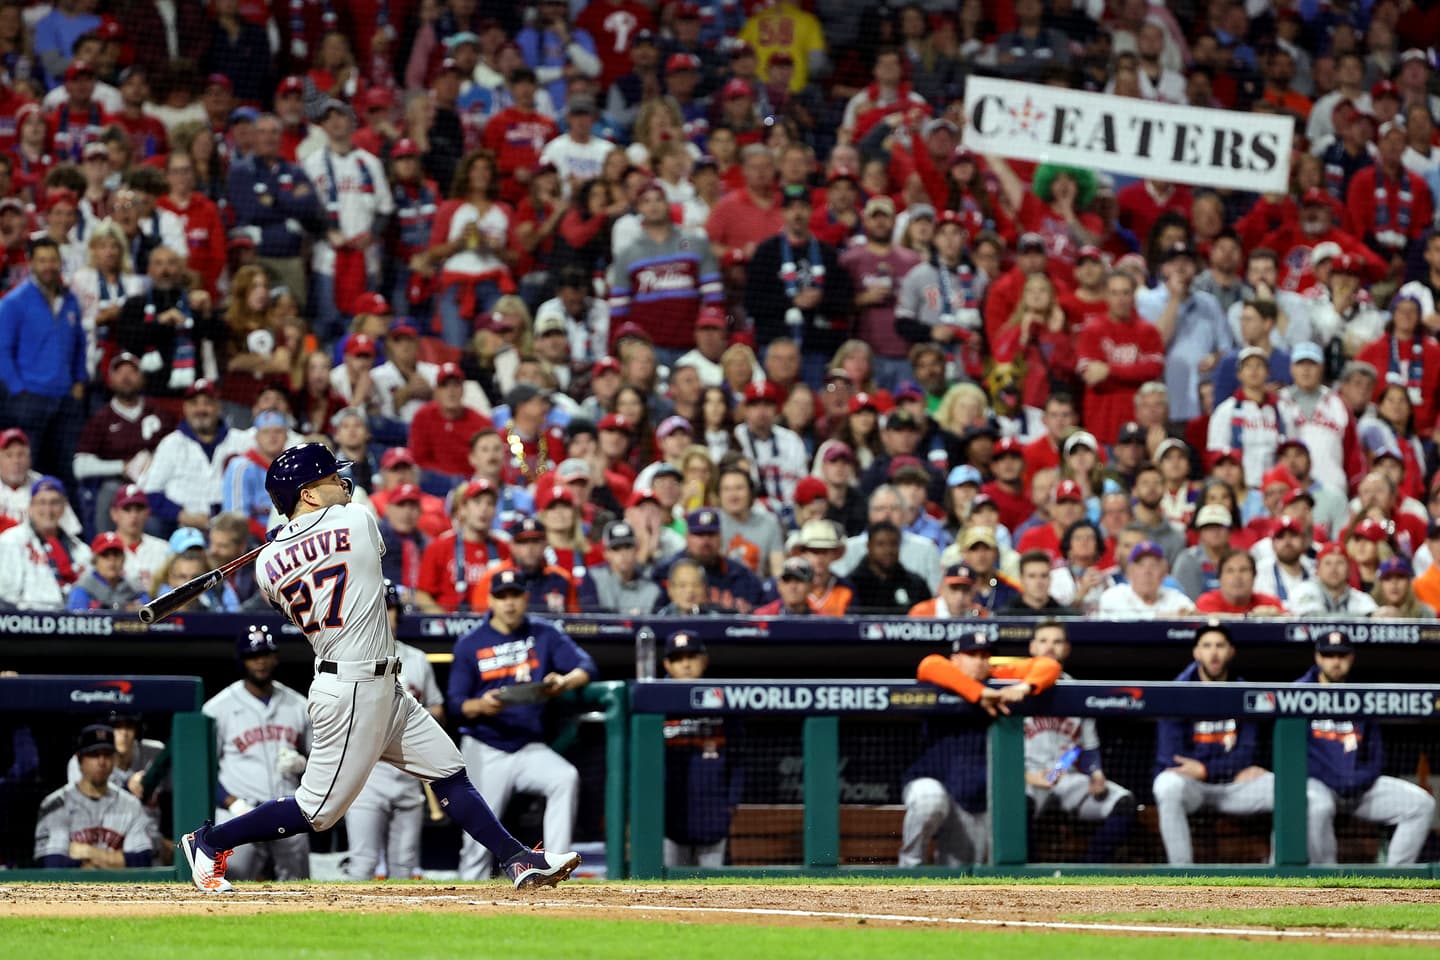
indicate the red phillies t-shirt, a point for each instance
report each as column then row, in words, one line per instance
column 442, row 443
column 1015, row 508
column 438, row 576
column 1213, row 601
column 613, row 27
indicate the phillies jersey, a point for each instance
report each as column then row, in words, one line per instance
column 1328, row 432
column 613, row 27
column 660, row 286
column 249, row 735
column 353, row 190
column 115, row 821
column 323, row 571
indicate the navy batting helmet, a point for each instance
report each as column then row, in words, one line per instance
column 297, row 467
column 256, row 643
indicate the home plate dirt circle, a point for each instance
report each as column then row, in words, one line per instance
column 1013, row 907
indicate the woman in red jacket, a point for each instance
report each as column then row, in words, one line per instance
column 1038, row 335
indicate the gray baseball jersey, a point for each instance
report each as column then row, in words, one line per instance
column 319, row 571
column 144, row 752
column 383, row 824
column 1046, row 741
column 249, row 735
column 115, row 821
column 323, row 570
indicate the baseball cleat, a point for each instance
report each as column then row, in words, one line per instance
column 538, row 868
column 207, row 869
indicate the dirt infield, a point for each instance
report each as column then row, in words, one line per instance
column 1012, row 906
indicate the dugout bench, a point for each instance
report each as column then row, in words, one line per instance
column 839, row 838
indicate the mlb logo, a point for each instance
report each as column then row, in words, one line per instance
column 1259, row 701
column 707, row 698
column 1297, row 631
column 874, row 631
column 433, row 627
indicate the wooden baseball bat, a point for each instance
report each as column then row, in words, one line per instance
column 436, row 814
column 162, row 607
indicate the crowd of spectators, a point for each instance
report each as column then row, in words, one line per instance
column 678, row 306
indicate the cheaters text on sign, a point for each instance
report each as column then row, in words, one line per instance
column 1143, row 138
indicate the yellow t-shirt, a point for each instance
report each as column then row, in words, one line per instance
column 785, row 27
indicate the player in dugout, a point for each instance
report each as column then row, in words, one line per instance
column 1344, row 760
column 944, row 792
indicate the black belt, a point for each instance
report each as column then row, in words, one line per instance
column 381, row 666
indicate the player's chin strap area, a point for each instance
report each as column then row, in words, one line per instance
column 354, row 671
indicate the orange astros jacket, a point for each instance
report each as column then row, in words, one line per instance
column 1040, row 672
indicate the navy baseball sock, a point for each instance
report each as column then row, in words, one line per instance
column 272, row 820
column 460, row 799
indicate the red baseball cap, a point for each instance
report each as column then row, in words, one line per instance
column 404, row 147
column 402, row 328
column 682, row 61
column 397, row 457
column 105, row 542
column 79, row 68
column 712, row 316
column 1314, row 196
column 360, row 345
column 631, row 329
column 219, row 80
column 949, row 217
column 1330, row 549
column 289, row 85
column 604, row 365
column 1278, row 476
column 474, row 489
column 198, row 387
column 808, row 490
column 735, row 88
column 448, row 372
column 614, row 421
column 842, row 173
column 552, row 494
column 378, row 98
column 1370, row 529
column 13, row 435
column 1067, row 491
column 406, row 493
column 1287, row 523
column 1219, row 456
column 764, row 392
column 869, row 401
column 1007, row 445
column 130, row 495
column 639, row 495
column 370, row 302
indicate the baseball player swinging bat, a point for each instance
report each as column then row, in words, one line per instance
column 162, row 607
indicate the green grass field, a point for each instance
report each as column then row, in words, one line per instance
column 321, row 936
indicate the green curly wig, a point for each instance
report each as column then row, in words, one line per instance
column 1046, row 173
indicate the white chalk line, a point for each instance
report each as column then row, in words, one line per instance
column 254, row 897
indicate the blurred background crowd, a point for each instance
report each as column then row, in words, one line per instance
column 706, row 306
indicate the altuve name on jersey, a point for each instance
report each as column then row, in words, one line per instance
column 322, row 543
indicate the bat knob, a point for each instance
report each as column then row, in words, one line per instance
column 147, row 615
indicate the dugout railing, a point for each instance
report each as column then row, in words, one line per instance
column 821, row 705
column 191, row 745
